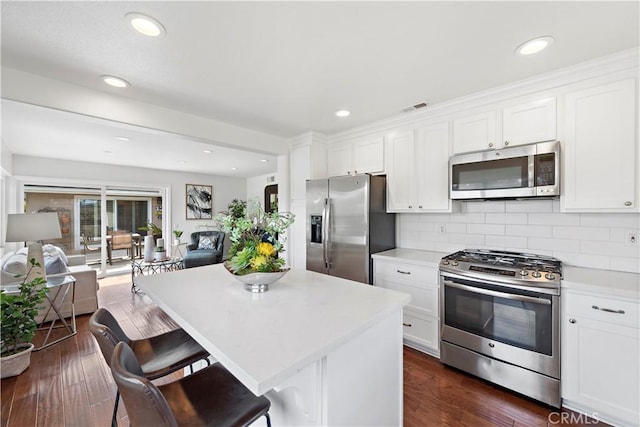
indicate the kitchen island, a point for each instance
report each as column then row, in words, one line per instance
column 324, row 350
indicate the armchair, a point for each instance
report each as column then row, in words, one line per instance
column 206, row 248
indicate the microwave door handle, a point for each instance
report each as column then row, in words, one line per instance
column 531, row 170
column 513, row 297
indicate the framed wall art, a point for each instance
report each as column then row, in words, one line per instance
column 199, row 201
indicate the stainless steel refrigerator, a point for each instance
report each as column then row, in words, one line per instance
column 347, row 221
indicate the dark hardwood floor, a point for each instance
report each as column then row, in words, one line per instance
column 69, row 384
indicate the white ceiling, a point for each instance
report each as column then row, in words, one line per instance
column 284, row 68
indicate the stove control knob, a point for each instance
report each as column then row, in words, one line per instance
column 524, row 273
column 550, row 276
column 445, row 262
column 454, row 263
column 536, row 274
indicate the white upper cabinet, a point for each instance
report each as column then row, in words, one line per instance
column 401, row 180
column 432, row 167
column 360, row 156
column 601, row 149
column 516, row 123
column 417, row 170
column 472, row 133
column 529, row 122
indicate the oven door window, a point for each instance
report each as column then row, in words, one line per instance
column 489, row 175
column 523, row 324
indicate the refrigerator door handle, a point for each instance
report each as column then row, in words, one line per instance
column 326, row 218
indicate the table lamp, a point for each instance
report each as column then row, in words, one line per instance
column 32, row 229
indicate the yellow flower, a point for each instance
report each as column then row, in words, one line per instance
column 258, row 261
column 266, row 249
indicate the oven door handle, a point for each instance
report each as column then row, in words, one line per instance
column 514, row 297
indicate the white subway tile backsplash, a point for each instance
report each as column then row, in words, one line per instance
column 615, row 220
column 468, row 240
column 581, row 233
column 533, row 226
column 529, row 206
column 564, row 245
column 485, row 228
column 488, row 206
column 506, row 241
column 455, row 227
column 529, row 230
column 475, row 218
column 440, row 218
column 506, row 218
column 632, row 265
column 554, row 219
column 584, row 260
column 612, row 249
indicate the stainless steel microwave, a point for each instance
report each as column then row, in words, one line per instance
column 531, row 170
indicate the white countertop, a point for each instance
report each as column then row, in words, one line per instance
column 606, row 282
column 616, row 284
column 411, row 256
column 263, row 339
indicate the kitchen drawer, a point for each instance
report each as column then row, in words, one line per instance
column 424, row 298
column 421, row 329
column 624, row 313
column 409, row 272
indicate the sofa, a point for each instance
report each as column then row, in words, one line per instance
column 13, row 267
column 206, row 248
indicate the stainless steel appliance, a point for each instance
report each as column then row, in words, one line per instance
column 500, row 319
column 346, row 223
column 531, row 170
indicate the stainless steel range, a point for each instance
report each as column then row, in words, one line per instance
column 500, row 319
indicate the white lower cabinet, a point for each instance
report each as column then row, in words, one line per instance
column 421, row 317
column 601, row 357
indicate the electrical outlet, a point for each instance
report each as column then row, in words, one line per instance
column 441, row 228
column 632, row 238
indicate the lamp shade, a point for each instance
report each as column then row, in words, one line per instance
column 32, row 227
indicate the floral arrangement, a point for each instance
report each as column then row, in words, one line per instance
column 177, row 233
column 256, row 236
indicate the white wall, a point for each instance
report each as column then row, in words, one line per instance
column 535, row 226
column 256, row 185
column 225, row 188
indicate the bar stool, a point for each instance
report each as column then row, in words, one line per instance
column 209, row 397
column 158, row 355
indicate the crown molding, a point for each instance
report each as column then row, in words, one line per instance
column 621, row 61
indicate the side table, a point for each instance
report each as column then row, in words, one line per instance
column 177, row 250
column 141, row 267
column 59, row 288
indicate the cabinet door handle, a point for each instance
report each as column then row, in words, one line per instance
column 409, row 325
column 419, row 206
column 628, row 203
column 403, row 272
column 410, row 207
column 490, row 144
column 572, row 320
column 348, row 172
column 506, row 143
column 355, row 172
column 608, row 310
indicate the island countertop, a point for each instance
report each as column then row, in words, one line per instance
column 262, row 339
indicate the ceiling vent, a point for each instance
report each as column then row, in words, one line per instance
column 414, row 107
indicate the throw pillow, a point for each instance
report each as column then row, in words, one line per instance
column 207, row 242
column 55, row 265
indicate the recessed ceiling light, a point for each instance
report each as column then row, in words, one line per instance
column 108, row 152
column 145, row 24
column 207, row 151
column 343, row 113
column 264, row 160
column 182, row 162
column 115, row 81
column 234, row 169
column 534, row 45
column 122, row 138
